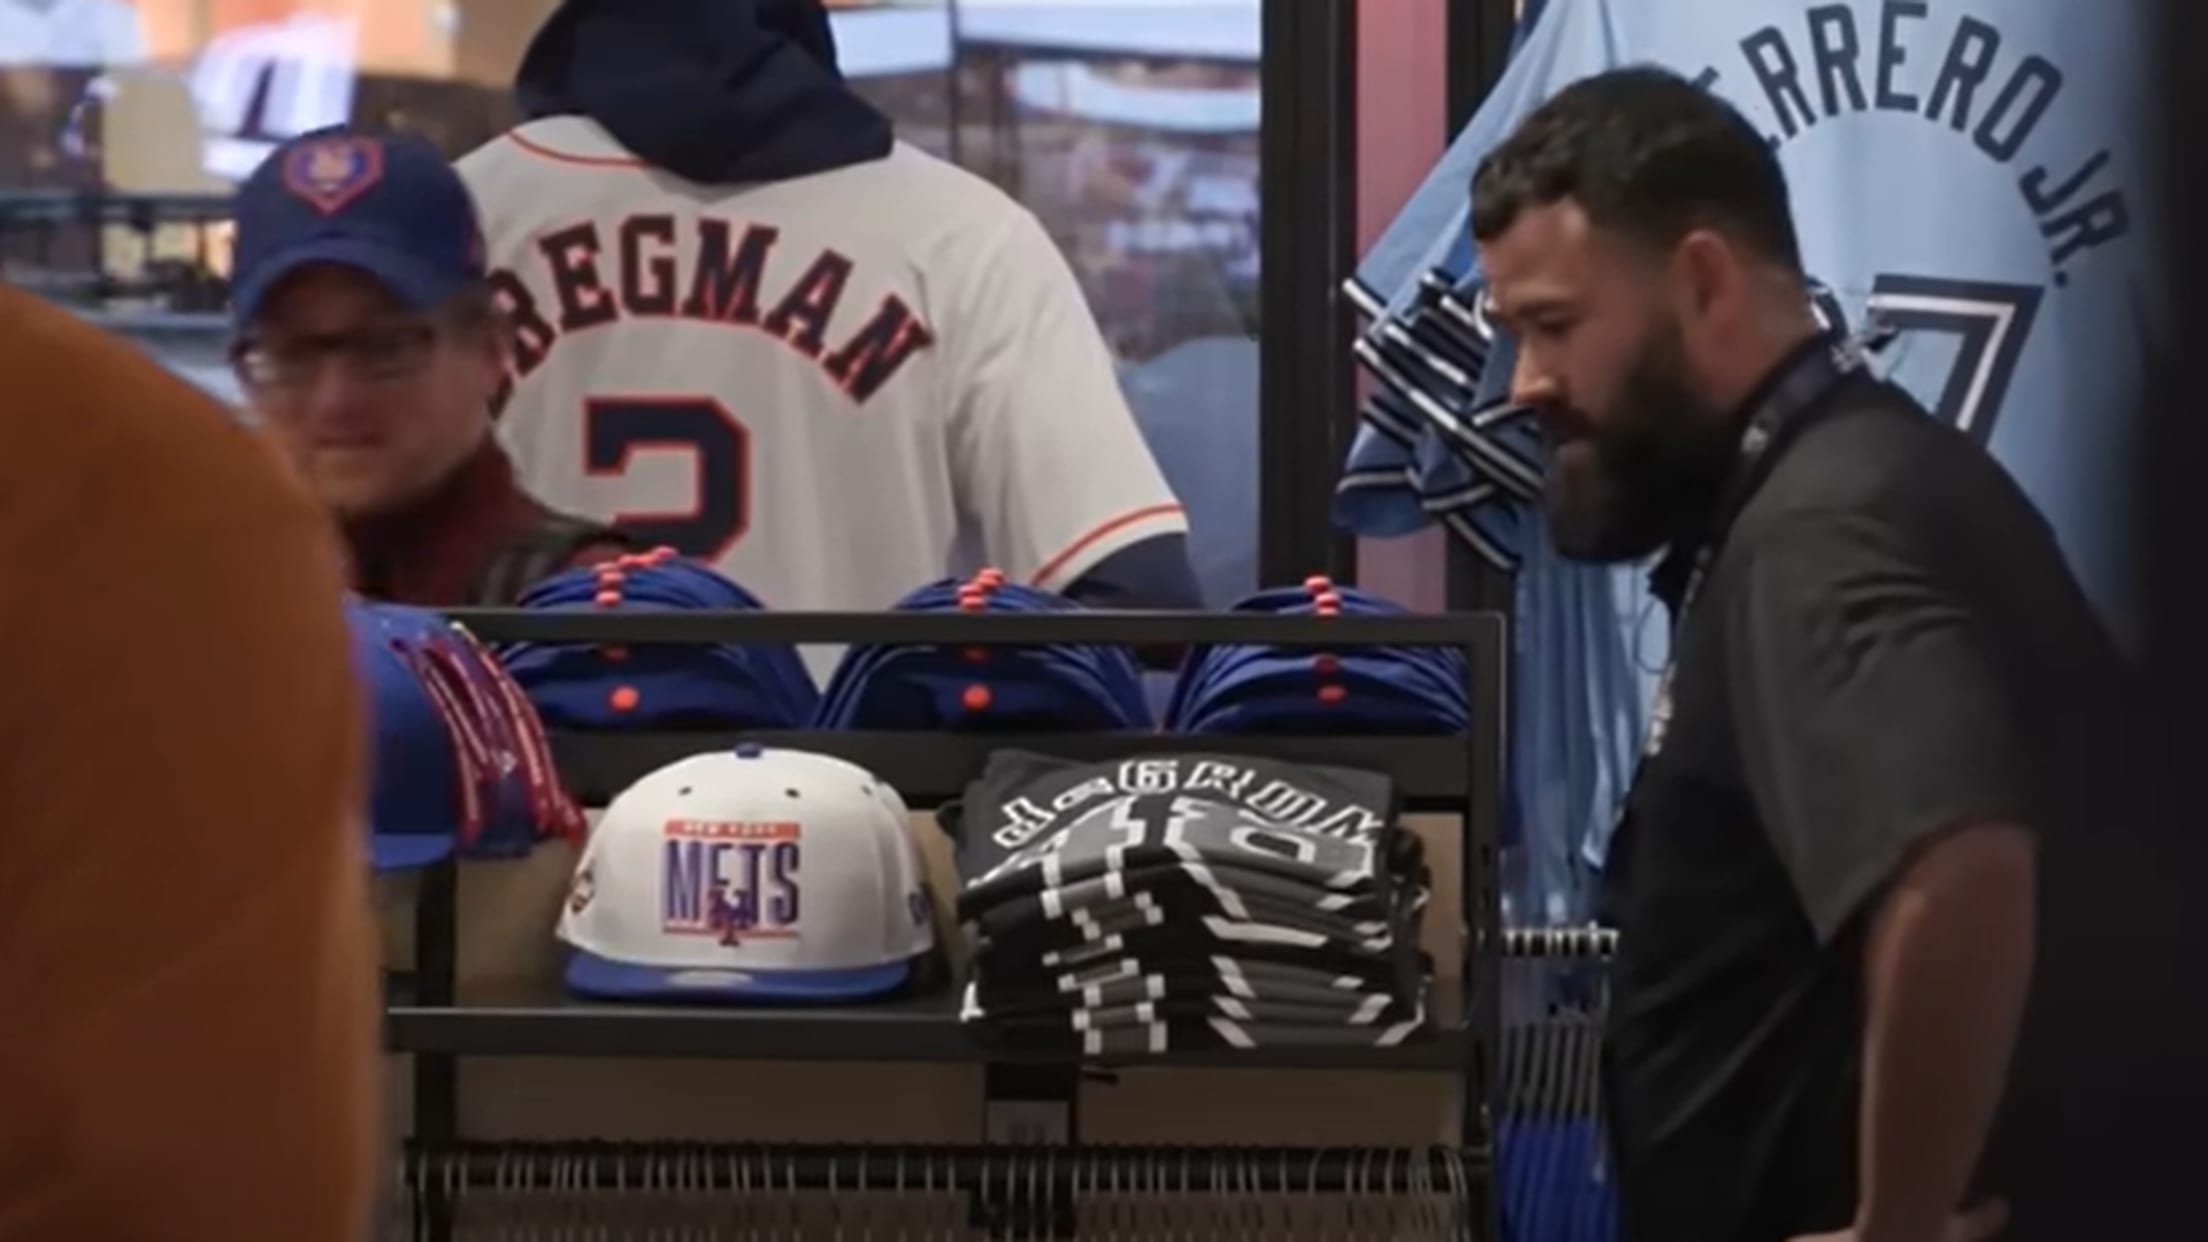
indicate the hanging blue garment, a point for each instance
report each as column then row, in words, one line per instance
column 2016, row 294
column 2014, row 297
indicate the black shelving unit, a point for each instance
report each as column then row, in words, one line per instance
column 1479, row 33
column 915, row 1030
column 929, row 768
column 1479, row 46
column 1462, row 774
column 1307, row 164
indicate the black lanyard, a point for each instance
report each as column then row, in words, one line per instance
column 1804, row 379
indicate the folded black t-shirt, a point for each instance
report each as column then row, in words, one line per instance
column 1032, row 823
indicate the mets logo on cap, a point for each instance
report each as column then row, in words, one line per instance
column 730, row 879
column 330, row 172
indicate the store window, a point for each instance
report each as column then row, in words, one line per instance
column 1130, row 127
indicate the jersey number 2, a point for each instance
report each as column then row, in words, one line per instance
column 616, row 428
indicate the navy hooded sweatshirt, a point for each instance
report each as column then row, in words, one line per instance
column 714, row 91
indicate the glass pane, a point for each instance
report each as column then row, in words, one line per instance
column 1129, row 127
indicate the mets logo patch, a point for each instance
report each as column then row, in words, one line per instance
column 331, row 172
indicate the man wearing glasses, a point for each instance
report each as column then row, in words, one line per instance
column 369, row 346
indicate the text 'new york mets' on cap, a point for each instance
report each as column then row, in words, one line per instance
column 752, row 873
column 386, row 204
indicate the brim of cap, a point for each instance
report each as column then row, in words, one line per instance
column 606, row 979
column 417, row 285
column 407, row 851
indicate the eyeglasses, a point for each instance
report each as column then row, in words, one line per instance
column 384, row 353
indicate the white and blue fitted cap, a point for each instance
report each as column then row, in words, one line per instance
column 750, row 874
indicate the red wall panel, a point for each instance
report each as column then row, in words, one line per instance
column 1402, row 104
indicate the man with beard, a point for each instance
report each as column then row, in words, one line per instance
column 1872, row 870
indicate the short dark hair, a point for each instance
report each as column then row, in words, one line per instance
column 1646, row 153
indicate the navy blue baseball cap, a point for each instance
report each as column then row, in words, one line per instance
column 657, row 685
column 1059, row 686
column 386, row 204
column 1242, row 688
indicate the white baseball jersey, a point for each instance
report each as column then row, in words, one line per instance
column 834, row 388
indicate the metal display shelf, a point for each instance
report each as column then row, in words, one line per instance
column 930, row 768
column 1476, row 633
column 920, row 1028
column 1462, row 773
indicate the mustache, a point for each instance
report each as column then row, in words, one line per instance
column 1562, row 423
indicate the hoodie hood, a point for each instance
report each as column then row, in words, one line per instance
column 714, row 91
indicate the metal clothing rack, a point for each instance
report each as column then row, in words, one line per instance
column 1589, row 941
column 729, row 1190
column 1554, row 1182
column 1460, row 774
column 862, row 1168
